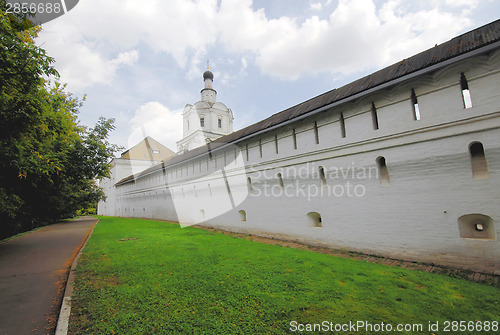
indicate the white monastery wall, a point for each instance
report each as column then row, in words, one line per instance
column 413, row 216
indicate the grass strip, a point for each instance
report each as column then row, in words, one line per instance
column 148, row 277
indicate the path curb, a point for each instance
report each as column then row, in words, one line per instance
column 65, row 312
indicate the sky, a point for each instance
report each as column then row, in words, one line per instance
column 141, row 61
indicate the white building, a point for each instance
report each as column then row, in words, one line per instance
column 206, row 120
column 403, row 163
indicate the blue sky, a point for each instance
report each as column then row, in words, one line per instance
column 141, row 61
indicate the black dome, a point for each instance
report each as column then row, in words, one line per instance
column 208, row 75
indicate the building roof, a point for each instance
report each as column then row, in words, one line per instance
column 148, row 149
column 477, row 41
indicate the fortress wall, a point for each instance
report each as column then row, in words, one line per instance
column 414, row 215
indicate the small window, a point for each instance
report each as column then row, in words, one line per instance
column 322, row 176
column 294, row 137
column 478, row 161
column 342, row 125
column 246, row 149
column 260, row 148
column 155, row 151
column 316, row 133
column 414, row 106
column 383, row 172
column 314, row 219
column 465, row 92
column 374, row 116
column 202, row 121
column 243, row 215
column 276, row 143
column 219, row 123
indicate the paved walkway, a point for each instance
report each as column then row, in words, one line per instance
column 33, row 273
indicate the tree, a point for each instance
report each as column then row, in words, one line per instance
column 48, row 161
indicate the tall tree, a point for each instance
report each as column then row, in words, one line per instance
column 48, row 161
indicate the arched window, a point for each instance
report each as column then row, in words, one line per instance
column 477, row 226
column 478, row 161
column 383, row 172
column 243, row 215
column 314, row 219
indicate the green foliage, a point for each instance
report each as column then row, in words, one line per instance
column 147, row 277
column 48, row 162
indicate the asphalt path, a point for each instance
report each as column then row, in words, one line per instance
column 33, row 274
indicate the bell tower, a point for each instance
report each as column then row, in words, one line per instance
column 206, row 120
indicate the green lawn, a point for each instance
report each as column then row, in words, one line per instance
column 166, row 280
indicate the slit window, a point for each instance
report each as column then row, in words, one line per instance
column 260, row 148
column 249, row 184
column 478, row 161
column 280, row 180
column 246, row 149
column 276, row 143
column 465, row 92
column 374, row 116
column 383, row 172
column 322, row 176
column 342, row 125
column 414, row 106
column 294, row 137
column 316, row 133
column 219, row 123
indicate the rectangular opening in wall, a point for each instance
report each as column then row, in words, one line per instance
column 260, row 148
column 276, row 143
column 294, row 137
column 414, row 105
column 342, row 125
column 316, row 133
column 246, row 149
column 374, row 116
column 466, row 98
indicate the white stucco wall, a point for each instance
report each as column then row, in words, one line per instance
column 415, row 217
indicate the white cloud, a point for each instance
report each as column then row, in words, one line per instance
column 155, row 120
column 316, row 6
column 356, row 37
column 78, row 61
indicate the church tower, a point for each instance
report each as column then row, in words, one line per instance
column 206, row 120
